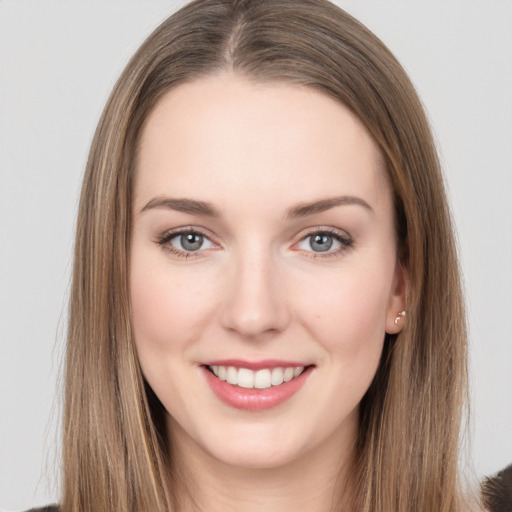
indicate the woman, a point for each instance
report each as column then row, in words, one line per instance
column 266, row 308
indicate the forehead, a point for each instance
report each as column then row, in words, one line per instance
column 225, row 135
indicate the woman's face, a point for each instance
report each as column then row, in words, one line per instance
column 263, row 270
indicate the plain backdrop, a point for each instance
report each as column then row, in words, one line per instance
column 58, row 62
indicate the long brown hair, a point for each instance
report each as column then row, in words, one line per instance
column 115, row 456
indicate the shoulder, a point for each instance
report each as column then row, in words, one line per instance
column 49, row 508
column 497, row 491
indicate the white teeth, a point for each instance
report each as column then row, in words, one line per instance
column 277, row 376
column 260, row 379
column 232, row 375
column 245, row 378
column 288, row 374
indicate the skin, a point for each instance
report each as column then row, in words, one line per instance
column 256, row 289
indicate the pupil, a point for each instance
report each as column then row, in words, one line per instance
column 321, row 243
column 191, row 241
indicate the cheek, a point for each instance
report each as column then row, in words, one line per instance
column 168, row 308
column 346, row 313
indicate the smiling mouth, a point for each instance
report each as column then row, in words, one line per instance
column 256, row 379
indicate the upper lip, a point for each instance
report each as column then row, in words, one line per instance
column 256, row 365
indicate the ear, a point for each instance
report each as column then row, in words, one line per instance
column 395, row 314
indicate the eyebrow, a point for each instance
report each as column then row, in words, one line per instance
column 206, row 209
column 183, row 205
column 304, row 209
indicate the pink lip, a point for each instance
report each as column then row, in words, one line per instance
column 256, row 365
column 255, row 399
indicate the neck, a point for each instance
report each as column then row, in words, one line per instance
column 315, row 481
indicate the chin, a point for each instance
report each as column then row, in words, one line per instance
column 252, row 446
column 256, row 456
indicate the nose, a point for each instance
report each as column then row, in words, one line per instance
column 255, row 302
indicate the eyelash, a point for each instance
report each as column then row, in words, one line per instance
column 165, row 239
column 345, row 240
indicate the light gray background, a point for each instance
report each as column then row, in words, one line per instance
column 58, row 62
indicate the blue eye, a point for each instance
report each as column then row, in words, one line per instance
column 324, row 242
column 190, row 242
column 184, row 243
column 321, row 242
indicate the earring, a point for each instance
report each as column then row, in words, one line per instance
column 400, row 316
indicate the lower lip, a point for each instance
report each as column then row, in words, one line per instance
column 255, row 399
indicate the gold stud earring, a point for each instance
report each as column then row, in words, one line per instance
column 400, row 316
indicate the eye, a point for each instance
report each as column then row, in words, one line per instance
column 184, row 243
column 189, row 242
column 326, row 242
